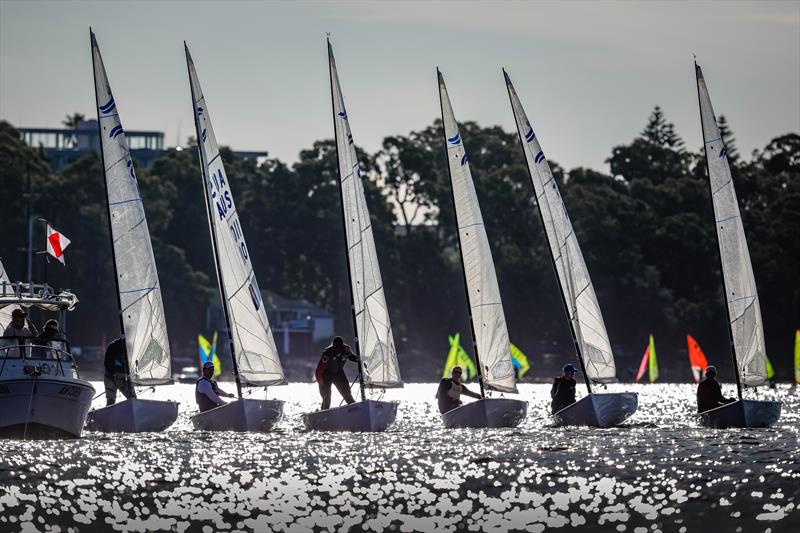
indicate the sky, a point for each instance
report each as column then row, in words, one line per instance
column 588, row 73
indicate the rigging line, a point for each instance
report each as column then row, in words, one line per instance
column 112, row 204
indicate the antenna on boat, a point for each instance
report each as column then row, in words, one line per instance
column 440, row 79
column 716, row 234
column 344, row 228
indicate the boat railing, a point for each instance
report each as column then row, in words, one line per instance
column 47, row 359
column 35, row 294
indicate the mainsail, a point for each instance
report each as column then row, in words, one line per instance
column 373, row 329
column 583, row 310
column 255, row 353
column 741, row 295
column 141, row 308
column 483, row 294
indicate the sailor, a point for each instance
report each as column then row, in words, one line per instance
column 563, row 390
column 115, row 375
column 709, row 392
column 207, row 393
column 48, row 344
column 19, row 331
column 450, row 390
column 330, row 371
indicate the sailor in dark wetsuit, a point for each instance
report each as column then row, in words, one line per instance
column 330, row 371
column 207, row 393
column 450, row 390
column 115, row 376
column 709, row 392
column 563, row 391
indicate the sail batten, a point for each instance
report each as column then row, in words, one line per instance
column 373, row 328
column 141, row 307
column 741, row 294
column 580, row 299
column 483, row 293
column 255, row 352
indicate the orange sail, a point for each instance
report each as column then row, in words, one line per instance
column 697, row 359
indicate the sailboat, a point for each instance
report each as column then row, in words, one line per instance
column 797, row 357
column 141, row 311
column 374, row 341
column 649, row 363
column 745, row 328
column 588, row 329
column 457, row 356
column 254, row 356
column 697, row 359
column 490, row 342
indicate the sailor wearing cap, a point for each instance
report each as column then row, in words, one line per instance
column 563, row 391
column 207, row 393
column 18, row 331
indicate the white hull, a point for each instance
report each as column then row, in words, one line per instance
column 487, row 413
column 364, row 416
column 133, row 416
column 243, row 414
column 599, row 410
column 742, row 414
column 50, row 407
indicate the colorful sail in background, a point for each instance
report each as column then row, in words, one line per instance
column 457, row 356
column 519, row 360
column 649, row 363
column 797, row 357
column 208, row 352
column 697, row 359
column 770, row 370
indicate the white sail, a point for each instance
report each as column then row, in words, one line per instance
column 741, row 295
column 486, row 308
column 373, row 328
column 5, row 312
column 141, row 307
column 253, row 343
column 573, row 276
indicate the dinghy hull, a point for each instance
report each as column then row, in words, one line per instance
column 44, row 408
column 487, row 413
column 240, row 415
column 599, row 410
column 363, row 416
column 133, row 415
column 742, row 414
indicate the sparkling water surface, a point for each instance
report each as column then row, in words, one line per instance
column 660, row 472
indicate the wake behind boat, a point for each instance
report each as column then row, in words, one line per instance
column 745, row 326
column 490, row 340
column 254, row 355
column 143, row 329
column 587, row 326
column 375, row 350
column 41, row 393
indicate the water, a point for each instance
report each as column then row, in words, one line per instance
column 661, row 472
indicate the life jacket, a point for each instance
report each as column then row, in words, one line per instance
column 204, row 402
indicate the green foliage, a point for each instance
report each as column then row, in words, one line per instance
column 646, row 231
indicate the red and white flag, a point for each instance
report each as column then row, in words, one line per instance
column 56, row 243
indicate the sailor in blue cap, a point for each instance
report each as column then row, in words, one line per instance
column 563, row 391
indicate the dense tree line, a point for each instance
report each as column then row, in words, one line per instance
column 646, row 230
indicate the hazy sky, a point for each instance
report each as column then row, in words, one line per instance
column 588, row 73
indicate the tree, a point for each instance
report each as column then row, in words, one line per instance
column 72, row 121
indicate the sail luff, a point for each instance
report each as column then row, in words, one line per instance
column 575, row 284
column 741, row 294
column 256, row 360
column 141, row 310
column 489, row 329
column 374, row 337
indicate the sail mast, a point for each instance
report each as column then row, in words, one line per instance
column 93, row 43
column 344, row 230
column 564, row 302
column 460, row 250
column 716, row 235
column 214, row 246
